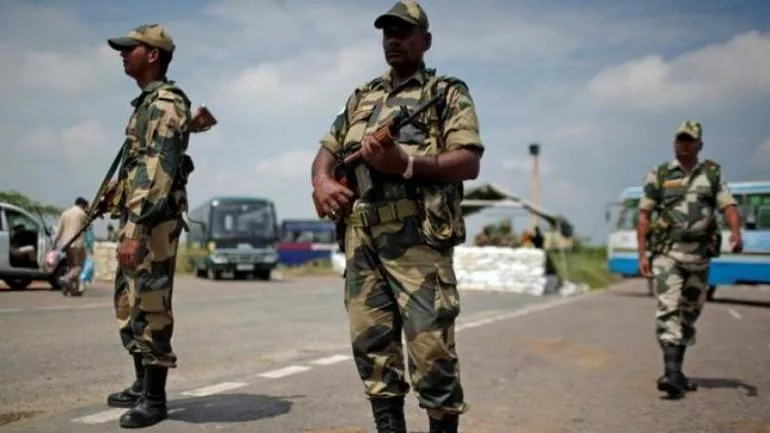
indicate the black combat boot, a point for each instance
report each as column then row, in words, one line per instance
column 672, row 381
column 389, row 414
column 151, row 408
column 129, row 396
column 688, row 386
column 447, row 424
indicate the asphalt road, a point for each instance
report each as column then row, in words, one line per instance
column 274, row 357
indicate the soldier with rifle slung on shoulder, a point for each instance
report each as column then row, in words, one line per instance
column 149, row 198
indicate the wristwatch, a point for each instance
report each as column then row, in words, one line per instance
column 409, row 168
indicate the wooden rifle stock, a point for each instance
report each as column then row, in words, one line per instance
column 385, row 135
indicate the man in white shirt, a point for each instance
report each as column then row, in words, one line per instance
column 72, row 222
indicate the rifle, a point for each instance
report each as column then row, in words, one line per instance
column 347, row 162
column 202, row 121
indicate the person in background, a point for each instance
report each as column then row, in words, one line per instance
column 87, row 275
column 71, row 223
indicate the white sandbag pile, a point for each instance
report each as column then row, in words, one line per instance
column 518, row 270
column 105, row 261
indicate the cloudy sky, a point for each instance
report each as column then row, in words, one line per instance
column 602, row 88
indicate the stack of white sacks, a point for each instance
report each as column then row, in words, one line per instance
column 105, row 261
column 518, row 270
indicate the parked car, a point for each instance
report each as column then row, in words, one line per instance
column 26, row 253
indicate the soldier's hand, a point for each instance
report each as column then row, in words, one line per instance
column 127, row 253
column 736, row 242
column 391, row 160
column 333, row 196
column 644, row 267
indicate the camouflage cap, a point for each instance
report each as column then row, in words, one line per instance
column 691, row 128
column 408, row 11
column 153, row 35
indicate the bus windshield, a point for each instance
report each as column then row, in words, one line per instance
column 755, row 210
column 629, row 214
column 252, row 219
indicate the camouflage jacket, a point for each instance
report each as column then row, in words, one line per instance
column 450, row 125
column 156, row 143
column 684, row 207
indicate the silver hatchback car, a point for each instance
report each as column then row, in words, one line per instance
column 25, row 242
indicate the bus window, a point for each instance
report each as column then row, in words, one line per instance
column 629, row 215
column 755, row 211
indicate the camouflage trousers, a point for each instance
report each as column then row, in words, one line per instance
column 143, row 297
column 396, row 284
column 681, row 293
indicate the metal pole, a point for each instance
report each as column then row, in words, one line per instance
column 534, row 151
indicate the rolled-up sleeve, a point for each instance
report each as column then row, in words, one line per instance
column 461, row 125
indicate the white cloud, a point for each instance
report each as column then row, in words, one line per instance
column 84, row 139
column 275, row 73
column 761, row 155
column 290, row 164
column 720, row 74
column 301, row 84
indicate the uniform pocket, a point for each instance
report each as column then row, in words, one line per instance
column 447, row 297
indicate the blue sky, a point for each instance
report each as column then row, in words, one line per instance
column 602, row 88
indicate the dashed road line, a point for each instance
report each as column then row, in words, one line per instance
column 215, row 389
column 110, row 415
column 329, row 360
column 283, row 372
column 736, row 315
column 101, row 417
column 114, row 414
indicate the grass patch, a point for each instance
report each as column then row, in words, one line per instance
column 312, row 268
column 586, row 265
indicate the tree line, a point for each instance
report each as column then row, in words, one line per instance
column 18, row 199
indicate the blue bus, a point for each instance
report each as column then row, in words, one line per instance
column 305, row 240
column 750, row 267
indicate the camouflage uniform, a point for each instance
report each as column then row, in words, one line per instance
column 399, row 243
column 152, row 197
column 682, row 242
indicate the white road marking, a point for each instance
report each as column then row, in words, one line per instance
column 114, row 414
column 518, row 313
column 736, row 315
column 331, row 359
column 283, row 372
column 109, row 415
column 101, row 417
column 11, row 310
column 215, row 389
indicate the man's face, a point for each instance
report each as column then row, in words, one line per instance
column 404, row 44
column 138, row 59
column 686, row 146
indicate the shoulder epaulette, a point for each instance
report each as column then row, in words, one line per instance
column 173, row 94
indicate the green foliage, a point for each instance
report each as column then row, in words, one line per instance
column 315, row 267
column 585, row 264
column 18, row 199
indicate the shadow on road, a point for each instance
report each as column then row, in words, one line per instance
column 229, row 408
column 716, row 383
